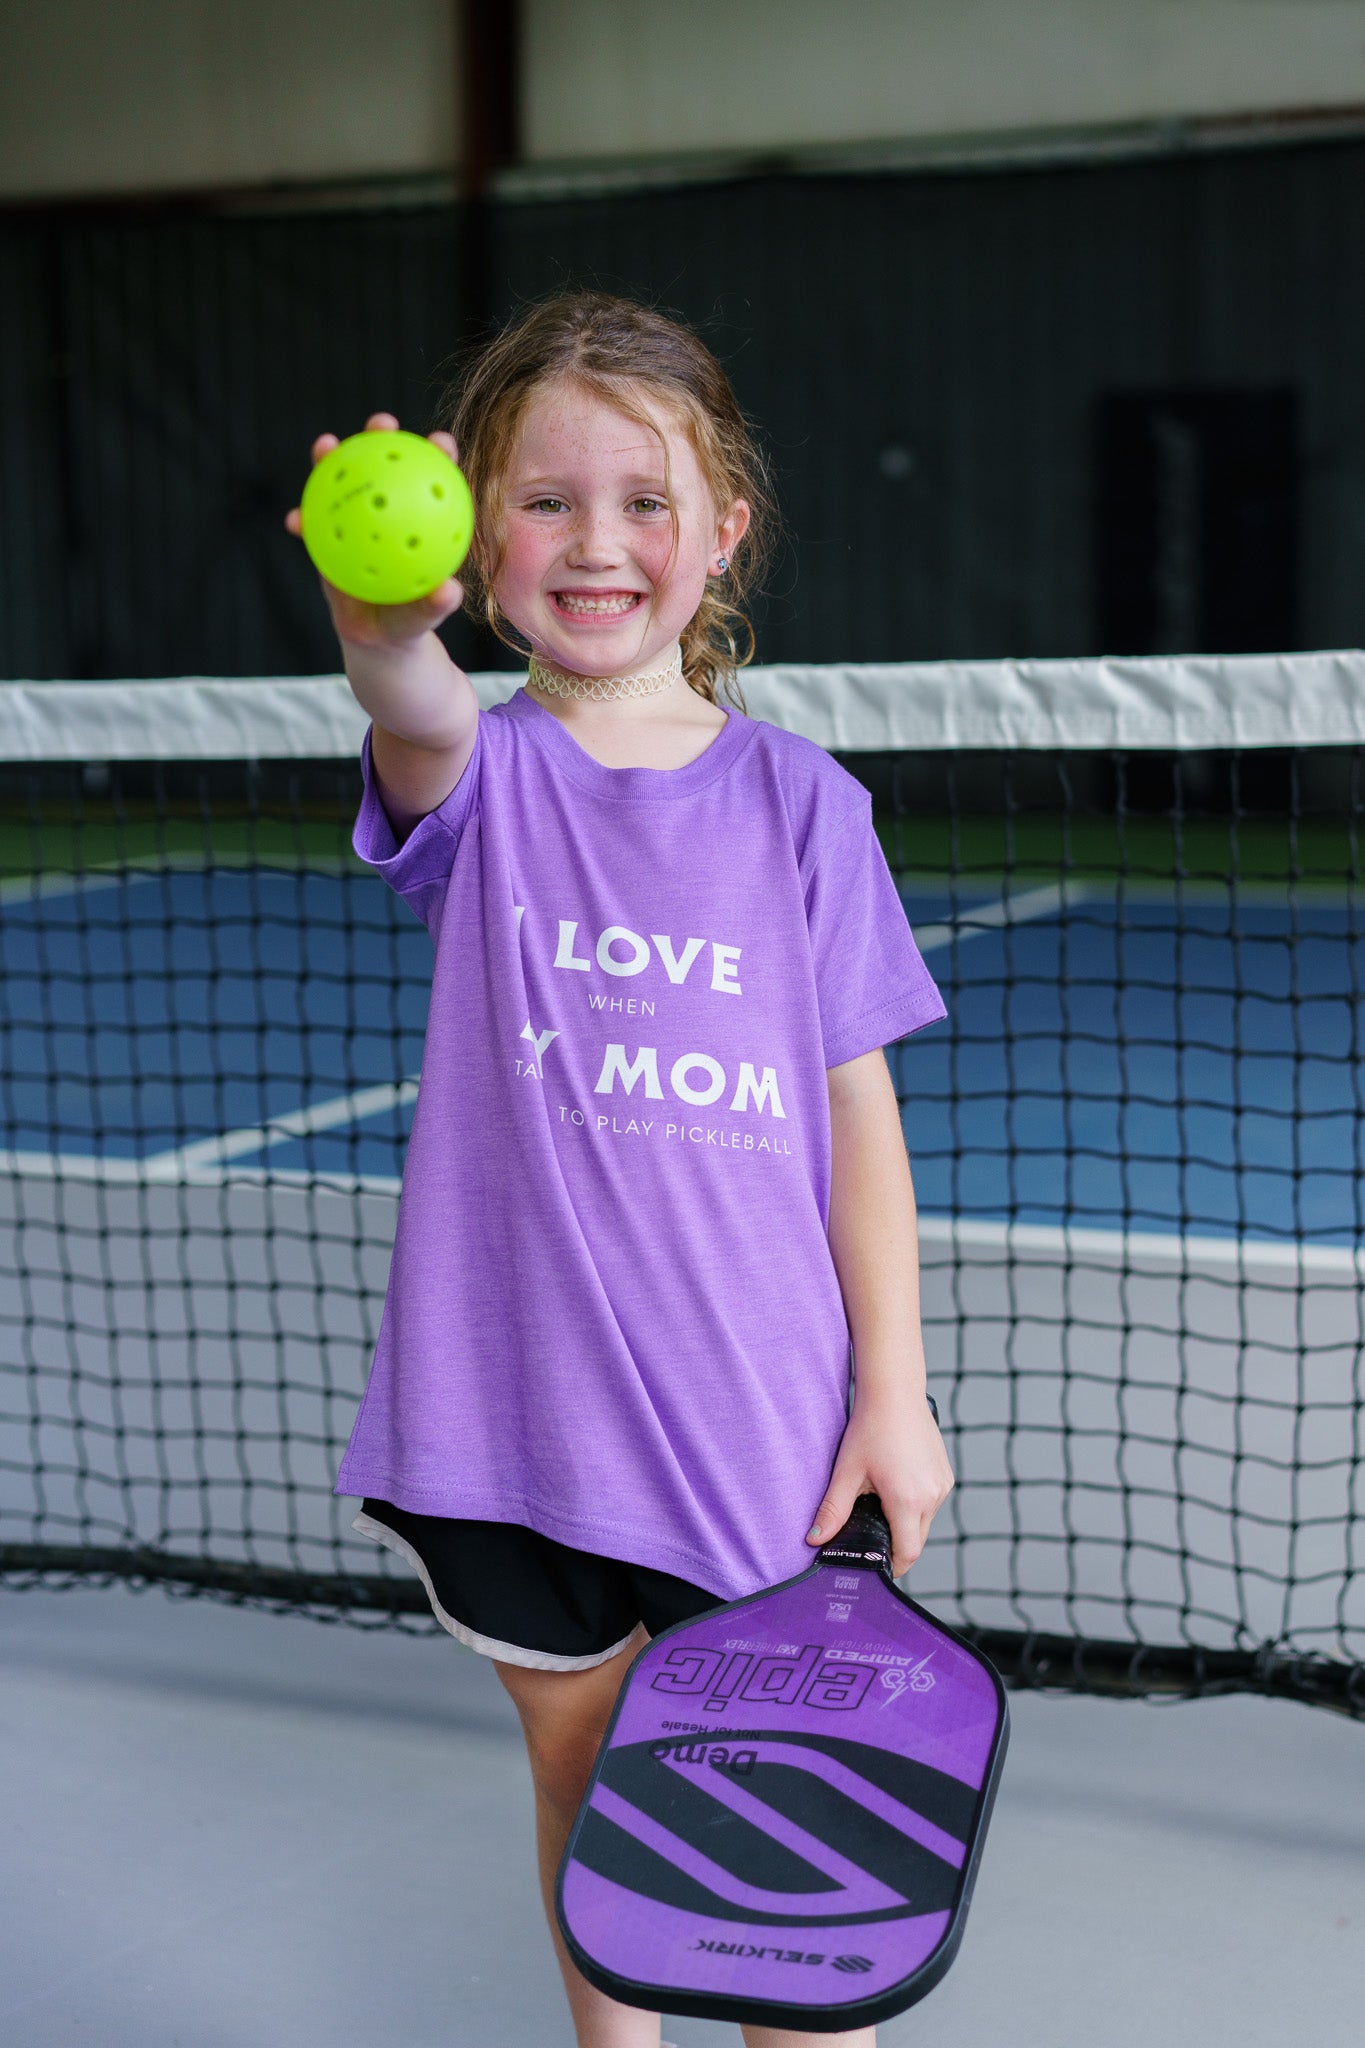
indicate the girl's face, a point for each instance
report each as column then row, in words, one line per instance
column 591, row 572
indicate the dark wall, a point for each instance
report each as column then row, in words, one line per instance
column 936, row 362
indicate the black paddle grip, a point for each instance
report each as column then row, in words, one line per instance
column 866, row 1536
column 864, row 1539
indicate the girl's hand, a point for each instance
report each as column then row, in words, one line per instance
column 898, row 1454
column 383, row 625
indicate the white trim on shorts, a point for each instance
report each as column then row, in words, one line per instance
column 487, row 1646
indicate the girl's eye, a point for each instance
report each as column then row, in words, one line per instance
column 648, row 505
column 548, row 505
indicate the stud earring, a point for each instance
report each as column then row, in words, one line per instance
column 722, row 564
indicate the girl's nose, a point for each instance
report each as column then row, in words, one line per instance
column 593, row 543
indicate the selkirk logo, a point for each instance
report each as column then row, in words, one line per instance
column 756, row 1954
column 853, row 1966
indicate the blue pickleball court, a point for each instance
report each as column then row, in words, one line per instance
column 226, row 1017
column 1142, row 1063
column 1110, row 1062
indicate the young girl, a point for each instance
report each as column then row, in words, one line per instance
column 656, row 1180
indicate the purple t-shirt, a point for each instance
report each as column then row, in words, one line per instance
column 612, row 1312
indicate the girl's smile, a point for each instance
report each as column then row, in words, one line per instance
column 597, row 604
column 610, row 533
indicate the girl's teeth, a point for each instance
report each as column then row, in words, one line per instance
column 608, row 606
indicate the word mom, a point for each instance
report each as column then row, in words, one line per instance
column 645, row 1066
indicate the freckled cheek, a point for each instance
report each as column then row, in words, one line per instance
column 526, row 557
column 657, row 558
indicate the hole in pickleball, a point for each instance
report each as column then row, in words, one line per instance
column 438, row 490
column 414, row 540
column 340, row 474
column 338, row 533
column 394, row 455
column 379, row 501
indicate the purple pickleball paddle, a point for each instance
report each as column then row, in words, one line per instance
column 786, row 1813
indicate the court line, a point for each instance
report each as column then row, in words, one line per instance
column 1055, row 1244
column 55, row 882
column 198, row 1161
column 1062, row 1244
column 94, row 1171
column 1033, row 905
column 1144, row 892
column 297, row 1123
column 116, row 874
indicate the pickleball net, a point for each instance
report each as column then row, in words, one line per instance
column 1137, row 1145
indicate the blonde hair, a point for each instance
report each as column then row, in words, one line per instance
column 623, row 352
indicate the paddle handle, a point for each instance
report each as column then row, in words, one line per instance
column 864, row 1539
column 866, row 1536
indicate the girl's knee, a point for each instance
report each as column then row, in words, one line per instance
column 563, row 1718
column 561, row 1763
column 559, row 1744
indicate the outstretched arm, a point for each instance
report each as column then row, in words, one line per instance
column 424, row 709
column 891, row 1445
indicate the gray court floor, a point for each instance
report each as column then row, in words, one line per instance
column 224, row 1829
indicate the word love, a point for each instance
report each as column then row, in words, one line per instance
column 810, row 1677
column 636, row 956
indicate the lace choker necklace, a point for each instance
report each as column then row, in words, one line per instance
column 561, row 682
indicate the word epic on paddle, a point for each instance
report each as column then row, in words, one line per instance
column 809, row 1677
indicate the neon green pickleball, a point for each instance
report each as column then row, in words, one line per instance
column 386, row 516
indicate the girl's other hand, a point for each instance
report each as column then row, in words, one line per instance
column 383, row 625
column 898, row 1455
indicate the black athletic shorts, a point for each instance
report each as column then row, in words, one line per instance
column 516, row 1595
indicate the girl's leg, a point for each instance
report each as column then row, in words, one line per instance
column 782, row 2037
column 564, row 1715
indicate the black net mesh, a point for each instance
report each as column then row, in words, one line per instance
column 1137, row 1146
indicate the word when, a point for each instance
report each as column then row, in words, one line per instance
column 631, row 1006
column 810, row 1678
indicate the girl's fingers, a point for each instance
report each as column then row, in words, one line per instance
column 836, row 1507
column 450, row 596
column 387, row 421
column 428, row 612
column 323, row 444
column 907, row 1542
